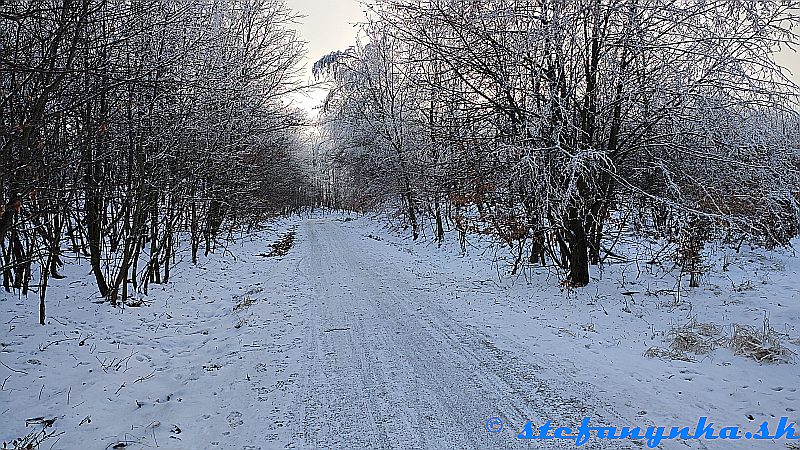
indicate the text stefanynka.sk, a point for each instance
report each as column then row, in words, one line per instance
column 653, row 435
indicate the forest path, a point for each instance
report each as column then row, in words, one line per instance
column 385, row 367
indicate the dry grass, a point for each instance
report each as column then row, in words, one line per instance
column 696, row 337
column 282, row 246
column 244, row 304
column 699, row 338
column 35, row 438
column 762, row 345
column 658, row 352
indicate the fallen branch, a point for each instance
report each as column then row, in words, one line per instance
column 145, row 377
column 13, row 370
column 336, row 329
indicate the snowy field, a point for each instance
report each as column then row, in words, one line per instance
column 360, row 339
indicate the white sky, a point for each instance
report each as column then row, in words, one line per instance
column 328, row 25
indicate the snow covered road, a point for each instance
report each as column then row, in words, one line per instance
column 387, row 368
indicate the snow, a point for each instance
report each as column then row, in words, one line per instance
column 360, row 338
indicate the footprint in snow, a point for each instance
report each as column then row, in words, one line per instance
column 235, row 419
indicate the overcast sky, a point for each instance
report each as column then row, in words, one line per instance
column 328, row 26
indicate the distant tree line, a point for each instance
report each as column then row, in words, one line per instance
column 541, row 122
column 127, row 124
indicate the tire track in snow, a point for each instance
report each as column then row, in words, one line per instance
column 386, row 369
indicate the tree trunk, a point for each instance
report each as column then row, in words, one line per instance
column 579, row 254
column 439, row 225
column 94, row 230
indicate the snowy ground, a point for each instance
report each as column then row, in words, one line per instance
column 359, row 339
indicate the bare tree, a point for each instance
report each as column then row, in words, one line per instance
column 547, row 116
column 126, row 123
